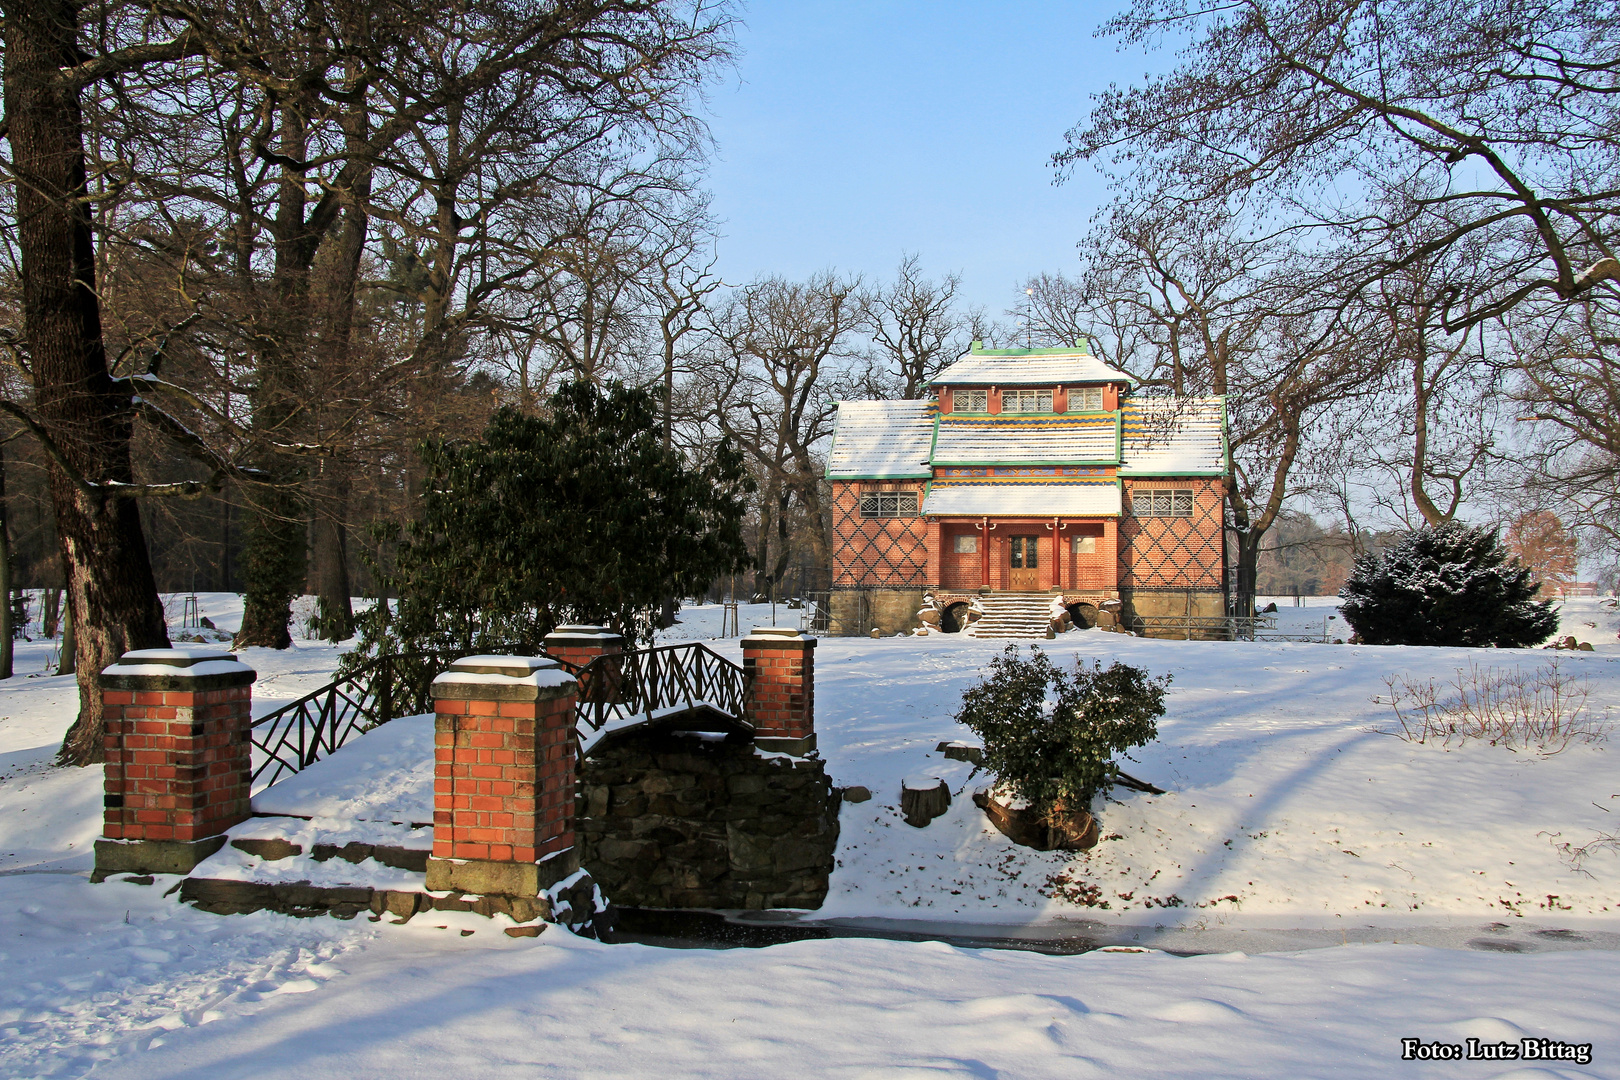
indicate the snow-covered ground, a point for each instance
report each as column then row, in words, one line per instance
column 1289, row 809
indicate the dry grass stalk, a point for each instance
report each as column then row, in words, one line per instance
column 1544, row 710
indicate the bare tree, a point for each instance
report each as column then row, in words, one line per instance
column 915, row 327
column 1464, row 121
column 785, row 358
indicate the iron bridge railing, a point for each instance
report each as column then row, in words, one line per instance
column 646, row 683
column 636, row 685
column 300, row 733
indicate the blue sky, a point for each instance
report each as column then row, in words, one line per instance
column 853, row 132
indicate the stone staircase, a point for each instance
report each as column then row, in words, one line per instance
column 1013, row 615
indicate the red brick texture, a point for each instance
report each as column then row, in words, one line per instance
column 877, row 552
column 580, row 649
column 1096, row 571
column 1171, row 552
column 781, row 686
column 179, row 762
column 503, row 778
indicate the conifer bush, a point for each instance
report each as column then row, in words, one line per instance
column 1450, row 584
column 1050, row 735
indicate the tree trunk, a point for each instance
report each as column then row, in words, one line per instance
column 50, row 612
column 273, row 558
column 111, row 593
column 331, row 557
column 67, row 661
column 8, row 631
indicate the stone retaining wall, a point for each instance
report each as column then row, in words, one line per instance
column 671, row 820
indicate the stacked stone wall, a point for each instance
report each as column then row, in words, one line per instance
column 671, row 820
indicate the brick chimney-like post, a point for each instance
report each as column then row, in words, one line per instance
column 179, row 759
column 503, row 778
column 579, row 645
column 781, row 666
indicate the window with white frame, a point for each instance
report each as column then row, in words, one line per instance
column 888, row 504
column 970, row 400
column 1086, row 399
column 1026, row 401
column 1162, row 502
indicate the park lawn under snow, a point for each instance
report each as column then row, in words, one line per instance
column 1287, row 806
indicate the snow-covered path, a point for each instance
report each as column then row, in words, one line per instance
column 1287, row 808
column 417, row 1001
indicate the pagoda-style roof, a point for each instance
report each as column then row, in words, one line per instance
column 1028, row 439
column 1173, row 436
column 1029, row 367
column 1017, row 497
column 882, row 440
column 1149, row 436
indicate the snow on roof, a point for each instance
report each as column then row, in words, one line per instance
column 1028, row 367
column 1173, row 436
column 881, row 440
column 1027, row 438
column 990, row 498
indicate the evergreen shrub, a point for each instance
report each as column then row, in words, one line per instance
column 1050, row 735
column 578, row 515
column 1450, row 584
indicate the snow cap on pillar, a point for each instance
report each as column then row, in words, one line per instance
column 172, row 668
column 778, row 636
column 486, row 677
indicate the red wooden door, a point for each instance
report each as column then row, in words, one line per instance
column 1023, row 563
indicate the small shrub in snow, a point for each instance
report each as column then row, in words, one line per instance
column 1543, row 710
column 1050, row 735
column 1453, row 584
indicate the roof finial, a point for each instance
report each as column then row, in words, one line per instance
column 1083, row 344
column 978, row 346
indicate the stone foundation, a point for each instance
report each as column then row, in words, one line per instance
column 1174, row 604
column 668, row 820
column 857, row 612
column 572, row 904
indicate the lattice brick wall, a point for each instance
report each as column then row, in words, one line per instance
column 1173, row 552
column 876, row 552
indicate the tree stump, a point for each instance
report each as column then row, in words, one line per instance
column 1060, row 831
column 923, row 798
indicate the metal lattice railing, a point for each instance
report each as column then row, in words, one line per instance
column 647, row 682
column 300, row 733
column 627, row 687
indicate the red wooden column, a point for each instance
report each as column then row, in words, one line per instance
column 178, row 758
column 1057, row 554
column 984, row 553
column 781, row 666
column 503, row 776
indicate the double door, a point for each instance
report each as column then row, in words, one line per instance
column 1023, row 563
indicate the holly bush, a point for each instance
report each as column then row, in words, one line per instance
column 1050, row 734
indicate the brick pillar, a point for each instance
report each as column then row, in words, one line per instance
column 781, row 666
column 179, row 760
column 579, row 645
column 503, row 776
column 936, row 553
column 1109, row 550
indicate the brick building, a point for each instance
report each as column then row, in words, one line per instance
column 1031, row 471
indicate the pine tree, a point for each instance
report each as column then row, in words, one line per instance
column 1451, row 584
